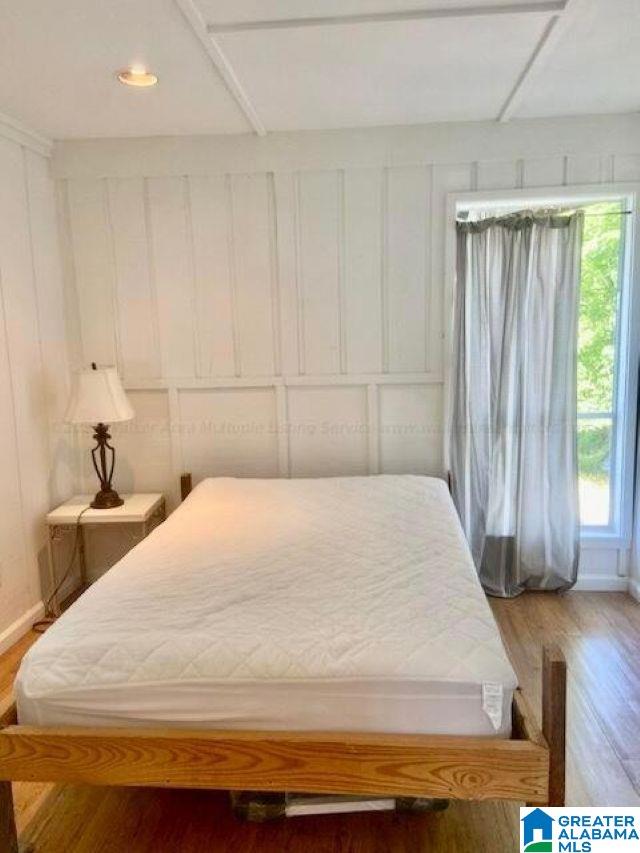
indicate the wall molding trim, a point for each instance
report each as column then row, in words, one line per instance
column 370, row 422
column 634, row 588
column 294, row 381
column 14, row 130
column 21, row 626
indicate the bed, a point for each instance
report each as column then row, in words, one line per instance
column 323, row 635
column 337, row 604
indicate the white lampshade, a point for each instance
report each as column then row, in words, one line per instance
column 98, row 397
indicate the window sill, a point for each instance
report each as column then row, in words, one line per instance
column 596, row 539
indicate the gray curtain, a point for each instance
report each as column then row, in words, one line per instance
column 513, row 438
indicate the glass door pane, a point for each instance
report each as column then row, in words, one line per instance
column 598, row 361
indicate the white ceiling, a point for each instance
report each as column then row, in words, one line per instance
column 58, row 60
column 404, row 72
column 595, row 68
column 229, row 66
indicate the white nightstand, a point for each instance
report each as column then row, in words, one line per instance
column 141, row 513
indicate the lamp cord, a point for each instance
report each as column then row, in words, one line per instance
column 42, row 624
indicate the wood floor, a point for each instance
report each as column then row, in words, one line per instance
column 600, row 635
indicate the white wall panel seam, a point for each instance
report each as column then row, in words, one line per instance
column 274, row 278
column 155, row 318
column 373, row 428
column 191, row 272
column 474, row 175
column 233, row 277
column 113, row 278
column 72, row 266
column 342, row 249
column 302, row 343
column 384, row 270
column 175, row 439
column 519, row 173
column 282, row 425
column 428, row 283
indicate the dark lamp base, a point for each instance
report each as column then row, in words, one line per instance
column 106, row 499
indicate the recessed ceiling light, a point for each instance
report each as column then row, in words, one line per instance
column 137, row 76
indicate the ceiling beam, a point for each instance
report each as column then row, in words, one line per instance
column 544, row 7
column 11, row 128
column 221, row 63
column 554, row 29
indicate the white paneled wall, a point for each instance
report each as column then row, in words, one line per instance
column 410, row 427
column 133, row 292
column 328, row 431
column 320, row 273
column 266, row 355
column 212, row 270
column 228, row 431
column 406, row 285
column 362, row 270
column 277, row 306
column 36, row 458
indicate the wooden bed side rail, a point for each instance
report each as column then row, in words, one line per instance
column 554, row 719
column 8, row 831
column 8, row 712
column 343, row 763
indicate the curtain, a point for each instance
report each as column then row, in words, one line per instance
column 513, row 424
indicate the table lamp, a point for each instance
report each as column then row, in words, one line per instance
column 98, row 398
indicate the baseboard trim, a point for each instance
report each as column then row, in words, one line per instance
column 20, row 627
column 634, row 588
column 601, row 583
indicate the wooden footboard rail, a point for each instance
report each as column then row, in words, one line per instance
column 528, row 768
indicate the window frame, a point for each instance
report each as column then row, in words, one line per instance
column 618, row 533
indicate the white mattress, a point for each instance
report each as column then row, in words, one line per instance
column 337, row 604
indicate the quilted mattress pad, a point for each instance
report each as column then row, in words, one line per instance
column 345, row 603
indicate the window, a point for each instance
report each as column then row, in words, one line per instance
column 599, row 363
column 607, row 347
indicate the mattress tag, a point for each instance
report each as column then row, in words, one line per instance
column 492, row 702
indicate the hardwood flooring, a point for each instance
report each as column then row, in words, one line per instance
column 600, row 635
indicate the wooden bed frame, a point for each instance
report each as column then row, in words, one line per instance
column 530, row 767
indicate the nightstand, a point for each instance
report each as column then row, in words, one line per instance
column 139, row 514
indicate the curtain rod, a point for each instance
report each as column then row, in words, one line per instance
column 568, row 213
